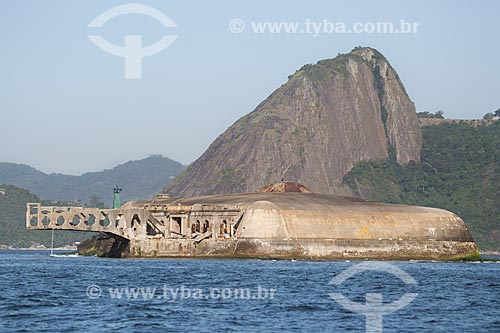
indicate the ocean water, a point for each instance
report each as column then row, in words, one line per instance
column 39, row 293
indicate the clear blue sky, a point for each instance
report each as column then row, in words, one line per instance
column 66, row 107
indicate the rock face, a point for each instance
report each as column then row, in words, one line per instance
column 313, row 129
column 104, row 245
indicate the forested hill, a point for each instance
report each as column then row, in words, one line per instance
column 460, row 172
column 139, row 179
column 13, row 230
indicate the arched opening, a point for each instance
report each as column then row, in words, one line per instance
column 136, row 221
column 206, row 226
column 223, row 228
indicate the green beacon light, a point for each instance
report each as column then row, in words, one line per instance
column 116, row 200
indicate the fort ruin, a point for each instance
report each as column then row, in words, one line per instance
column 296, row 225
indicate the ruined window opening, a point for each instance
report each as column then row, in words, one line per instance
column 46, row 221
column 105, row 221
column 135, row 220
column 118, row 220
column 206, row 226
column 150, row 230
column 60, row 221
column 223, row 228
column 33, row 209
column 75, row 221
column 198, row 226
column 34, row 221
column 91, row 220
column 176, row 226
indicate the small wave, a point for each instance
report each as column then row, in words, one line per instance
column 73, row 255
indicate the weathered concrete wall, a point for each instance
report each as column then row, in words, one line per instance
column 126, row 223
column 265, row 220
column 304, row 249
column 355, row 249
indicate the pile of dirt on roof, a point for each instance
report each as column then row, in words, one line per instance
column 285, row 187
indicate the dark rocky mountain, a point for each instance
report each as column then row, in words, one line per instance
column 313, row 129
column 139, row 180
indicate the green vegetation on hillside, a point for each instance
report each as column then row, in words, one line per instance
column 139, row 179
column 13, row 230
column 459, row 172
column 492, row 115
column 324, row 69
column 427, row 114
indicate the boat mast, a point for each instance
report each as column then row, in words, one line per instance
column 52, row 244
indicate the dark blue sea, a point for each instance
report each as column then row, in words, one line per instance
column 39, row 293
